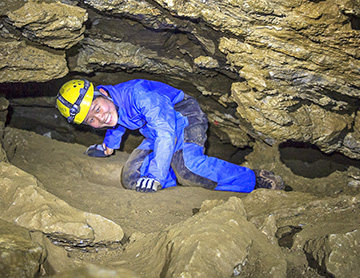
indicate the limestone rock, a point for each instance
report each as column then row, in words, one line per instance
column 9, row 6
column 295, row 60
column 94, row 271
column 30, row 206
column 127, row 7
column 4, row 104
column 299, row 209
column 351, row 143
column 20, row 256
column 291, row 115
column 331, row 238
column 206, row 62
column 53, row 24
column 217, row 242
column 273, row 116
column 335, row 253
column 327, row 229
column 110, row 55
column 57, row 257
column 44, row 23
column 23, row 63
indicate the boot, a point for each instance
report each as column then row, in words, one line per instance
column 267, row 179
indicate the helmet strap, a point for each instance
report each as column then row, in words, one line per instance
column 74, row 109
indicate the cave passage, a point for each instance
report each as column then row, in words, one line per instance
column 306, row 160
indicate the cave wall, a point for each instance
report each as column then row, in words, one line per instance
column 270, row 70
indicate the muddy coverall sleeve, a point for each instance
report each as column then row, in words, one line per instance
column 160, row 116
column 113, row 137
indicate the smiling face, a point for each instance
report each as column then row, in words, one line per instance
column 102, row 113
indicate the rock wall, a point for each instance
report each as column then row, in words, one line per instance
column 278, row 70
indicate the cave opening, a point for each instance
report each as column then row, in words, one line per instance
column 355, row 22
column 32, row 108
column 307, row 160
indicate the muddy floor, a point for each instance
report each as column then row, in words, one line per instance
column 93, row 185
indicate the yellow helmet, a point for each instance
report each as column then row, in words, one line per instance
column 74, row 100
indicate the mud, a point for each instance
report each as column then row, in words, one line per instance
column 153, row 222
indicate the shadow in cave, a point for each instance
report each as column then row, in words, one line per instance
column 307, row 160
column 321, row 269
column 223, row 149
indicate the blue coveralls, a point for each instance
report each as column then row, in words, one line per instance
column 174, row 128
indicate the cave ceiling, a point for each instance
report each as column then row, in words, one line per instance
column 270, row 70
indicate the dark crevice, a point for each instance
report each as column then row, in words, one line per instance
column 317, row 1
column 159, row 37
column 168, row 259
column 307, row 160
column 351, row 102
column 268, row 14
column 321, row 269
column 353, row 19
column 287, row 238
column 355, row 22
column 30, row 89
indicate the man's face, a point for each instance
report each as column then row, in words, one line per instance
column 102, row 113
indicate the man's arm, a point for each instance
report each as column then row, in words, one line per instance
column 113, row 137
column 111, row 141
column 160, row 116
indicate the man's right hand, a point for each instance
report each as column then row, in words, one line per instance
column 107, row 150
column 147, row 185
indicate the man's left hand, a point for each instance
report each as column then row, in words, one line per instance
column 96, row 150
column 147, row 185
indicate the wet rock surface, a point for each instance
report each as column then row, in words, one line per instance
column 280, row 71
column 41, row 67
column 218, row 242
column 20, row 256
column 53, row 24
column 32, row 207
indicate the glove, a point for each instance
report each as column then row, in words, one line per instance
column 96, row 150
column 147, row 185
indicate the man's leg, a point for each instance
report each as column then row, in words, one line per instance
column 193, row 167
column 187, row 178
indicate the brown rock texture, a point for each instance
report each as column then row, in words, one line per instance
column 32, row 207
column 20, row 256
column 53, row 24
column 267, row 73
column 290, row 69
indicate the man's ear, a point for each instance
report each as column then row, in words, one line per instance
column 105, row 93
